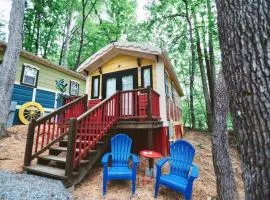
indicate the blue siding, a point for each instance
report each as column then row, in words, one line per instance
column 45, row 98
column 22, row 94
column 16, row 119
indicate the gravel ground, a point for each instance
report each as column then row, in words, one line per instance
column 28, row 187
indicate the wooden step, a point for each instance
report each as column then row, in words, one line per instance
column 101, row 142
column 77, row 141
column 48, row 171
column 58, row 159
column 64, row 149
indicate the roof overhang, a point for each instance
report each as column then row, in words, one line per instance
column 133, row 49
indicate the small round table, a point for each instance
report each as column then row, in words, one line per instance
column 150, row 154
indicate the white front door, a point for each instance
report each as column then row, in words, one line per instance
column 127, row 84
column 110, row 87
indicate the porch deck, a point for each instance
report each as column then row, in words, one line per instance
column 128, row 124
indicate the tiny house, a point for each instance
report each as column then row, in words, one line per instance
column 35, row 82
column 130, row 68
column 130, row 88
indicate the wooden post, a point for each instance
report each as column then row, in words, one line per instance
column 116, row 109
column 149, row 103
column 86, row 102
column 150, row 146
column 71, row 147
column 29, row 143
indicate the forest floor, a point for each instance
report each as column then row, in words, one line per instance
column 12, row 154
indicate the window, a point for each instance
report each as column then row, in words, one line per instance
column 173, row 91
column 146, row 76
column 95, row 87
column 29, row 75
column 166, row 85
column 74, row 88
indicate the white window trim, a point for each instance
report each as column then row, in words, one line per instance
column 70, row 87
column 36, row 79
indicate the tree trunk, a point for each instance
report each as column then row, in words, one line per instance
column 37, row 34
column 8, row 67
column 78, row 60
column 67, row 37
column 193, row 65
column 30, row 45
column 64, row 59
column 47, row 44
column 226, row 187
column 204, row 81
column 244, row 31
column 212, row 70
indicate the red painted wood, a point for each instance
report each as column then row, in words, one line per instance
column 150, row 154
column 172, row 110
column 178, row 131
column 57, row 123
column 161, row 141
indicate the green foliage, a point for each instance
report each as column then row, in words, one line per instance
column 62, row 87
column 113, row 20
column 43, row 26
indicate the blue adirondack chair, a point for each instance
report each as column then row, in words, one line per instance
column 182, row 171
column 120, row 155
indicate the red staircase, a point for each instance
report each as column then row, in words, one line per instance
column 66, row 143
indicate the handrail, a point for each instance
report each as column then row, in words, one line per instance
column 55, row 112
column 48, row 130
column 95, row 107
column 88, row 128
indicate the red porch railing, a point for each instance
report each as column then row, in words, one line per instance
column 139, row 104
column 48, row 130
column 86, row 127
column 89, row 128
column 68, row 99
column 173, row 111
column 155, row 104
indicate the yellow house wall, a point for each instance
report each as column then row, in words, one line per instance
column 47, row 75
column 123, row 62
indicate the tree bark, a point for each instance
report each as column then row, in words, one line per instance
column 8, row 67
column 193, row 65
column 84, row 18
column 78, row 60
column 226, row 187
column 67, row 37
column 244, row 32
column 211, row 24
column 64, row 61
column 37, row 41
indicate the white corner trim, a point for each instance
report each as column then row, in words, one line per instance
column 160, row 84
column 34, row 94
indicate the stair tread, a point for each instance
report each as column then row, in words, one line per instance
column 58, row 158
column 78, row 140
column 47, row 170
column 65, row 149
column 54, row 158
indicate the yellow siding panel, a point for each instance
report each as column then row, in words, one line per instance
column 47, row 75
column 123, row 62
